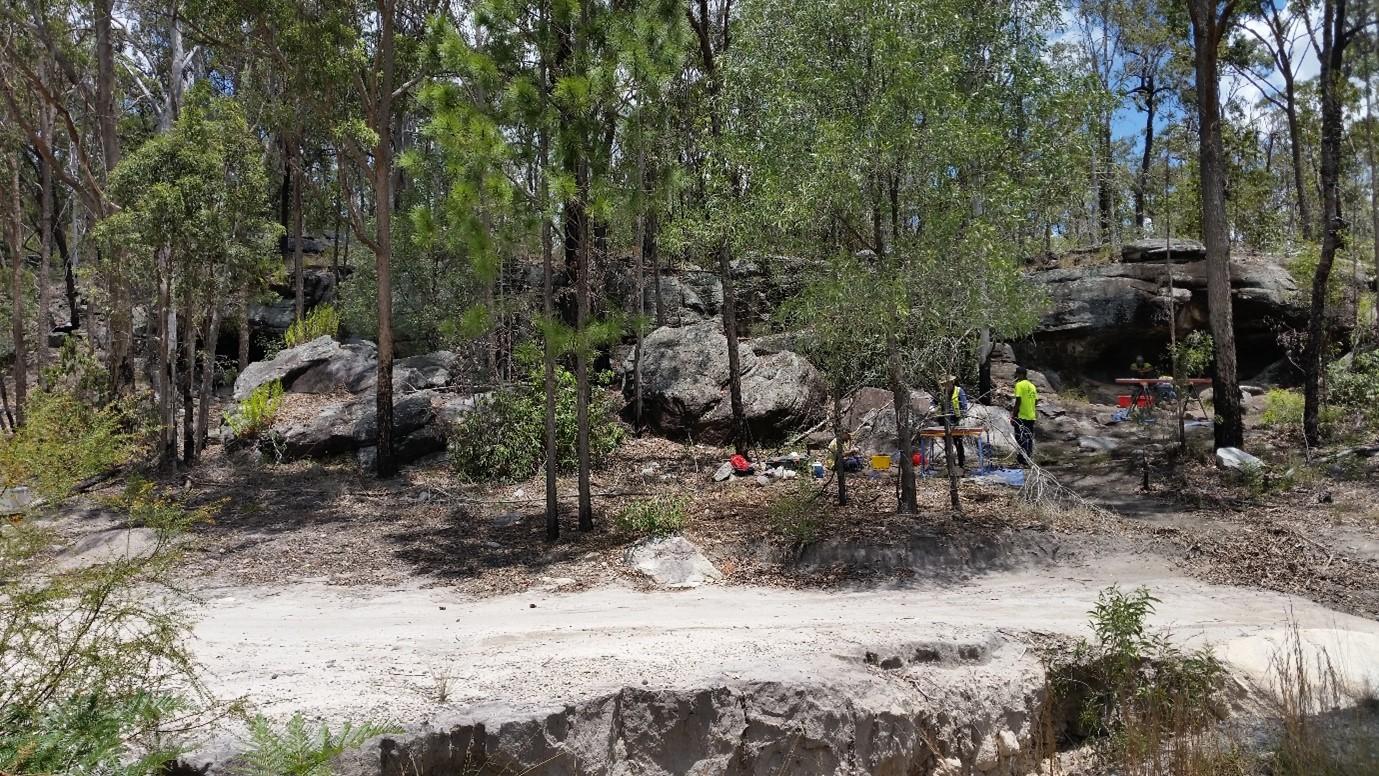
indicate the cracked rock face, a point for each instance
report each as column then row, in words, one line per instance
column 942, row 708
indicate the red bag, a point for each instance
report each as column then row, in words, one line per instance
column 740, row 465
column 917, row 459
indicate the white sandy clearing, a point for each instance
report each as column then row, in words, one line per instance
column 378, row 653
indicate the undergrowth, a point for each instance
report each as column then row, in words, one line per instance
column 504, row 437
column 657, row 516
column 296, row 749
column 322, row 321
column 1142, row 702
column 798, row 514
column 255, row 414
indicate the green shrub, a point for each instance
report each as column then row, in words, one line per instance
column 1131, row 688
column 1192, row 354
column 1353, row 388
column 504, row 437
column 798, row 514
column 323, row 321
column 656, row 516
column 1282, row 410
column 96, row 668
column 65, row 440
column 255, row 414
column 295, row 750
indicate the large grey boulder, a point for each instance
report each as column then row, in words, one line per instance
column 685, row 386
column 353, row 367
column 326, row 366
column 1106, row 314
column 672, row 561
column 869, row 415
column 419, row 373
column 287, row 366
column 1180, row 249
column 350, row 426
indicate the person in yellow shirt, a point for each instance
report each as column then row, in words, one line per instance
column 1024, row 412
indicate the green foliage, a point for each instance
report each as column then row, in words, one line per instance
column 797, row 515
column 1352, row 387
column 255, row 414
column 94, row 658
column 294, row 749
column 1282, row 410
column 655, row 516
column 1133, row 688
column 65, row 440
column 323, row 321
column 1192, row 355
column 504, row 437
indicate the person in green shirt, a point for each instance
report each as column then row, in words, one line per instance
column 1024, row 412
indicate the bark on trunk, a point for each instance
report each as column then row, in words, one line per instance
column 548, row 351
column 1207, row 30
column 651, row 250
column 586, row 505
column 121, row 316
column 740, row 433
column 383, row 165
column 5, row 404
column 900, row 393
column 16, row 244
column 208, row 352
column 1334, row 42
column 639, row 280
column 838, row 469
column 298, row 260
column 45, row 254
column 948, row 455
column 244, row 333
column 188, row 384
column 1147, row 156
column 163, row 374
column 69, row 268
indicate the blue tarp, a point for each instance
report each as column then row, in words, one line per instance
column 1015, row 478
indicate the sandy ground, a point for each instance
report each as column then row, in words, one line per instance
column 386, row 653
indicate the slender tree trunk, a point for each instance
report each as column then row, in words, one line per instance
column 839, row 470
column 651, row 251
column 1332, row 75
column 1105, row 196
column 5, row 404
column 1373, row 183
column 208, row 353
column 586, row 504
column 740, row 432
column 188, row 383
column 1207, row 30
column 17, row 293
column 548, row 350
column 900, row 393
column 1295, row 142
column 298, row 260
column 383, row 179
column 244, row 332
column 1147, row 157
column 335, row 238
column 948, row 455
column 164, row 386
column 121, row 315
column 639, row 279
column 69, row 269
column 45, row 253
